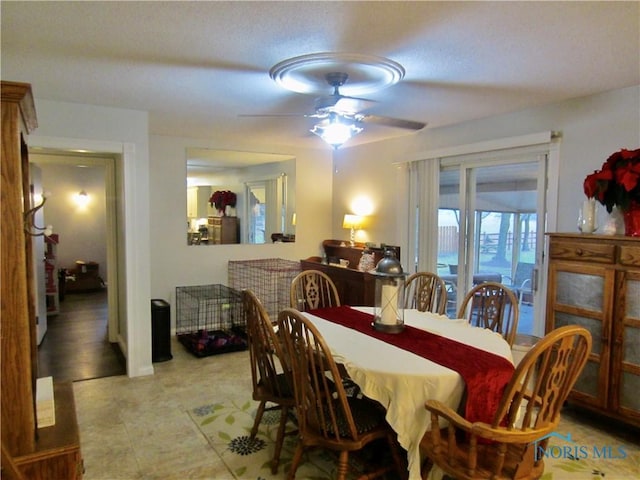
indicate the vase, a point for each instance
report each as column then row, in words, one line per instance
column 632, row 220
column 587, row 221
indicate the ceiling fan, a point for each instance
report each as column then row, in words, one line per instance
column 341, row 116
column 352, row 107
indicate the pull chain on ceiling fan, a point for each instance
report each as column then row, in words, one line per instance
column 341, row 116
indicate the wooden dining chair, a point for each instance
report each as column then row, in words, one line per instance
column 426, row 292
column 312, row 289
column 512, row 446
column 327, row 417
column 492, row 305
column 270, row 382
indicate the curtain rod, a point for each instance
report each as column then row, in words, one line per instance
column 529, row 140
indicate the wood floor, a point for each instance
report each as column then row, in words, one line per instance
column 76, row 345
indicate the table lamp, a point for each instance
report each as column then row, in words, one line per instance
column 353, row 222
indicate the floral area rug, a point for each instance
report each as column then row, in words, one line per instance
column 591, row 448
column 577, row 452
column 227, row 427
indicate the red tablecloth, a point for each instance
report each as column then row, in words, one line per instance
column 484, row 373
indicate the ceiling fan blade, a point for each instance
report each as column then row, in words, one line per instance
column 307, row 115
column 390, row 122
column 342, row 104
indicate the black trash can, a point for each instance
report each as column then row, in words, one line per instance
column 160, row 331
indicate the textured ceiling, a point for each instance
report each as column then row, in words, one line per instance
column 196, row 66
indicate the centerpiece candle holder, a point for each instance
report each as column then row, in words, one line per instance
column 388, row 311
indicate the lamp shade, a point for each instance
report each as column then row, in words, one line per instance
column 351, row 221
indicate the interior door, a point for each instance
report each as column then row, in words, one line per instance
column 491, row 228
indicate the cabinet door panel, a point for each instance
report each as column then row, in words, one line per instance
column 580, row 290
column 633, row 296
column 626, row 361
column 587, row 383
column 581, row 295
column 631, row 351
column 629, row 398
column 593, row 325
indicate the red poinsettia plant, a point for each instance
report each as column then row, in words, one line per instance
column 618, row 182
column 223, row 198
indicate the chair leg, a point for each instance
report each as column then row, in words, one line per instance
column 295, row 462
column 256, row 422
column 284, row 412
column 343, row 465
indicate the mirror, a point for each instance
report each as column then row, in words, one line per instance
column 239, row 197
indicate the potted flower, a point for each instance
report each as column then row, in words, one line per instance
column 617, row 184
column 221, row 199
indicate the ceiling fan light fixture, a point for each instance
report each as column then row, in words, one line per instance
column 335, row 132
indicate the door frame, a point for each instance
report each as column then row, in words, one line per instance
column 108, row 161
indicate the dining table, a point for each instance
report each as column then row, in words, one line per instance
column 388, row 369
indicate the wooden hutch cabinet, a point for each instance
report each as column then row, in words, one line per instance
column 27, row 451
column 223, row 230
column 594, row 281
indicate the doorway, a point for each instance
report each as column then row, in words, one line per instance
column 491, row 228
column 86, row 263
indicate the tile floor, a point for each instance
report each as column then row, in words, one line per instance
column 138, row 428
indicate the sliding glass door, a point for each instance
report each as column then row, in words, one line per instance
column 491, row 228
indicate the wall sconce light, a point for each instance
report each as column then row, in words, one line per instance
column 30, row 227
column 82, row 199
column 353, row 222
column 335, row 131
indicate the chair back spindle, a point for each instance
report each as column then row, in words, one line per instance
column 426, row 292
column 312, row 289
column 492, row 305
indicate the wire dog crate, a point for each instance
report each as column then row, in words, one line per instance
column 210, row 319
column 269, row 278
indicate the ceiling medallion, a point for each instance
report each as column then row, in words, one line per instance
column 308, row 73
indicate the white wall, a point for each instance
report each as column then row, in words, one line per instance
column 174, row 263
column 592, row 128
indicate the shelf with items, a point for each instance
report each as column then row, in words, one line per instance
column 51, row 274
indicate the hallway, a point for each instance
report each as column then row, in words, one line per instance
column 75, row 346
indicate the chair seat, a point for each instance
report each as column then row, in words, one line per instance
column 367, row 415
column 283, row 387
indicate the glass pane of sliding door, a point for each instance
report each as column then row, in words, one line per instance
column 489, row 229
